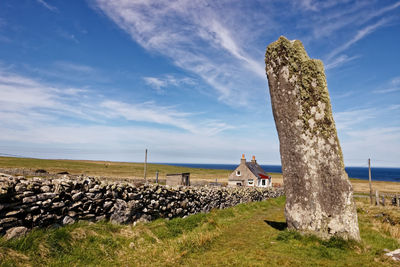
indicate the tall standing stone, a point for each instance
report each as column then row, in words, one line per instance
column 319, row 196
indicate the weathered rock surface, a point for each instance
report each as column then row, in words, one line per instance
column 28, row 203
column 319, row 196
column 15, row 232
column 394, row 255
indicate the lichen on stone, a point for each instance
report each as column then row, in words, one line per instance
column 312, row 160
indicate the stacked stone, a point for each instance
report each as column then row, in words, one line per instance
column 31, row 203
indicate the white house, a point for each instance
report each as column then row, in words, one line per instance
column 249, row 174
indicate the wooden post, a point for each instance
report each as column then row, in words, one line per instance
column 156, row 177
column 398, row 200
column 370, row 183
column 383, row 199
column 377, row 197
column 145, row 166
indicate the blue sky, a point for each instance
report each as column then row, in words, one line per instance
column 105, row 79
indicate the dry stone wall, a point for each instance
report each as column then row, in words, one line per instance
column 40, row 202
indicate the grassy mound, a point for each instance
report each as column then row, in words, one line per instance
column 246, row 235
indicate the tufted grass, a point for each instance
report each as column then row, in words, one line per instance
column 251, row 234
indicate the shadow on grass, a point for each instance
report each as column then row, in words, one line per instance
column 277, row 225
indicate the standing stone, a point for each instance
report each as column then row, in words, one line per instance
column 319, row 196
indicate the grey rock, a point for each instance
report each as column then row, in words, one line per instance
column 32, row 208
column 68, row 220
column 19, row 188
column 77, row 196
column 45, row 196
column 45, row 188
column 107, row 205
column 77, row 205
column 57, row 205
column 7, row 220
column 100, row 218
column 14, row 213
column 319, row 196
column 29, row 199
column 394, row 255
column 45, row 203
column 28, row 193
column 15, row 232
column 122, row 212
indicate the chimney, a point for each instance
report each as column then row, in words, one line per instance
column 243, row 160
column 253, row 160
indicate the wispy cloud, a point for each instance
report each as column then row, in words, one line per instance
column 196, row 38
column 392, row 86
column 153, row 113
column 47, row 5
column 372, row 143
column 21, row 96
column 338, row 61
column 358, row 36
column 346, row 120
column 68, row 36
column 69, row 66
column 70, row 72
column 394, row 107
column 158, row 83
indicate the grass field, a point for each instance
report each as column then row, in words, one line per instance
column 246, row 235
column 109, row 168
column 135, row 170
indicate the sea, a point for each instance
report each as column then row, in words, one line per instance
column 377, row 174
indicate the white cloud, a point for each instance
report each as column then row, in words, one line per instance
column 69, row 66
column 158, row 83
column 394, row 107
column 48, row 6
column 127, row 143
column 372, row 143
column 68, row 36
column 197, row 38
column 360, row 35
column 346, row 120
column 21, row 97
column 338, row 61
column 392, row 86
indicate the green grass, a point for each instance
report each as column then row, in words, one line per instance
column 251, row 234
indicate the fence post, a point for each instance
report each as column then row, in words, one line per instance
column 377, row 197
column 383, row 200
column 398, row 200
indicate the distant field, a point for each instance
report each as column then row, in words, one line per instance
column 110, row 169
column 135, row 170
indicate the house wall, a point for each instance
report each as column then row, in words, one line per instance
column 233, row 183
column 268, row 183
column 245, row 174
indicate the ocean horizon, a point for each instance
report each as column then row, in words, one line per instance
column 387, row 174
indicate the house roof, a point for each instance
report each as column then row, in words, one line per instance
column 256, row 170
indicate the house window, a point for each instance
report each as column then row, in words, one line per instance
column 238, row 173
column 263, row 182
column 239, row 184
column 250, row 182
